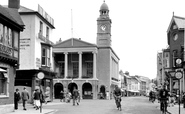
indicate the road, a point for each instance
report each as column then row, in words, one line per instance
column 130, row 105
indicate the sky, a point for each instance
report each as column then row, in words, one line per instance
column 139, row 27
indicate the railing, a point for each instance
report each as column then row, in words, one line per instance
column 44, row 39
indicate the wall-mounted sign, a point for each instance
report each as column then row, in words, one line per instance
column 24, row 43
column 45, row 15
column 38, row 62
column 40, row 75
column 6, row 50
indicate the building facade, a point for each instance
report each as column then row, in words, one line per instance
column 175, row 33
column 10, row 27
column 167, row 59
column 92, row 68
column 35, row 51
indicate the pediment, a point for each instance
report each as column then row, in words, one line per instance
column 73, row 43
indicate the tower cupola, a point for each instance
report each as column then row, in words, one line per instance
column 104, row 27
column 104, row 10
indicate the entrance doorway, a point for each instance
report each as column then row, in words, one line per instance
column 58, row 87
column 71, row 87
column 87, row 91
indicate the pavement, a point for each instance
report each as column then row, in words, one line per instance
column 173, row 109
column 31, row 110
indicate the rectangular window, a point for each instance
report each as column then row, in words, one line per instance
column 47, row 32
column 75, row 69
column 3, row 81
column 46, row 56
column 89, row 69
column 5, row 35
column 1, row 33
column 9, row 37
column 175, row 56
column 61, row 69
column 16, row 38
column 41, row 28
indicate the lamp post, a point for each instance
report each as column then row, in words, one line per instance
column 178, row 75
column 40, row 76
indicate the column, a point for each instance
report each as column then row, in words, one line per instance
column 80, row 64
column 183, row 82
column 94, row 64
column 170, row 84
column 66, row 65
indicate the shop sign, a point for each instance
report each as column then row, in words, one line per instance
column 5, row 50
column 38, row 62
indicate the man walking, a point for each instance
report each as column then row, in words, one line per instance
column 25, row 97
column 75, row 96
column 37, row 99
column 17, row 97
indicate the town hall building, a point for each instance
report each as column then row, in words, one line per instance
column 92, row 68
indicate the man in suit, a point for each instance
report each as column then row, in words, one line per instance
column 25, row 97
column 17, row 97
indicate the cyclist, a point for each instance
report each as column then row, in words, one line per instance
column 163, row 97
column 117, row 96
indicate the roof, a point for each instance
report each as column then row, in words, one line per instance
column 12, row 14
column 104, row 6
column 179, row 21
column 73, row 43
column 26, row 11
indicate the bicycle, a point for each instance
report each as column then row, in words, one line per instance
column 163, row 106
column 118, row 102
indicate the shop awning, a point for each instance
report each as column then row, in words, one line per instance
column 133, row 91
column 2, row 70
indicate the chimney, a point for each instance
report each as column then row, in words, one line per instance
column 14, row 4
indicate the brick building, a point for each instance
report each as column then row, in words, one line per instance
column 10, row 27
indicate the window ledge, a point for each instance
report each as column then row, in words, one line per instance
column 3, row 96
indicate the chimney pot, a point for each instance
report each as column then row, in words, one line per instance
column 14, row 4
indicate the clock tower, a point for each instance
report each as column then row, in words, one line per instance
column 104, row 27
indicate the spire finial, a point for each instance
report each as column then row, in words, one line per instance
column 173, row 13
column 103, row 0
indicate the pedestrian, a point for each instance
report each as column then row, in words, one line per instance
column 47, row 96
column 68, row 97
column 62, row 96
column 183, row 100
column 37, row 99
column 17, row 97
column 42, row 99
column 34, row 106
column 75, row 95
column 79, row 97
column 25, row 97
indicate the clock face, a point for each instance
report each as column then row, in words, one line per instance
column 103, row 27
column 175, row 37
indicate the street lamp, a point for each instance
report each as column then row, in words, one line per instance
column 179, row 75
column 40, row 76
